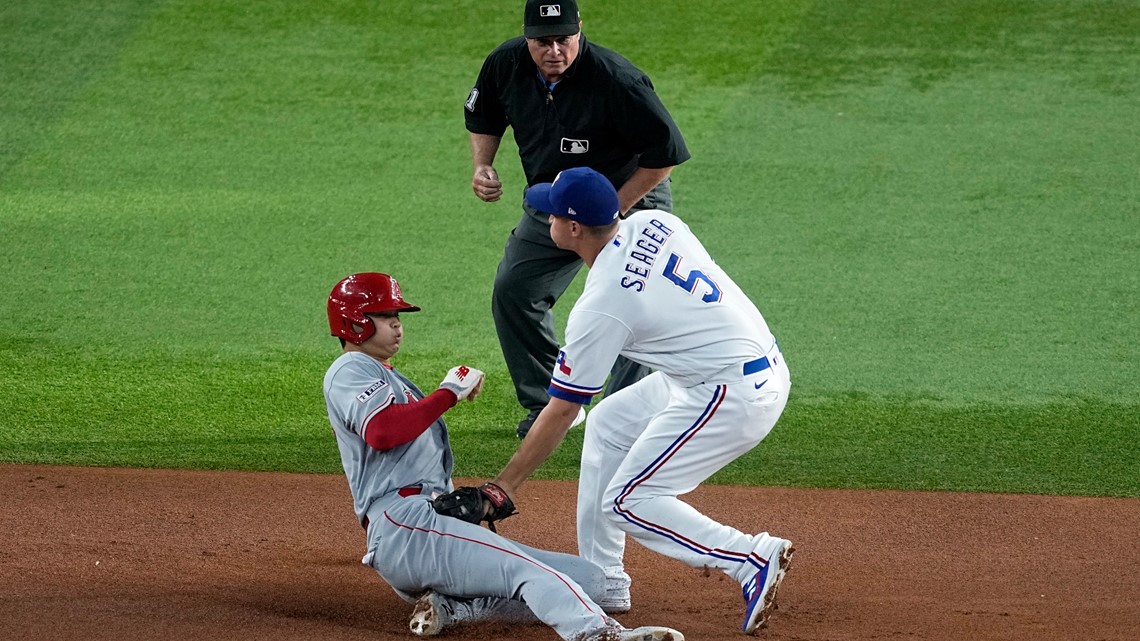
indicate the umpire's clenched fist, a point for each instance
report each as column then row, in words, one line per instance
column 486, row 184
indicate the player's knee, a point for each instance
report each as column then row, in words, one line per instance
column 617, row 506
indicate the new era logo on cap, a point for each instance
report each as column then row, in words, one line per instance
column 550, row 10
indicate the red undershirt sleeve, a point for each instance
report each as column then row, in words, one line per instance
column 401, row 423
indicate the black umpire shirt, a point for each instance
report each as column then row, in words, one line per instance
column 603, row 114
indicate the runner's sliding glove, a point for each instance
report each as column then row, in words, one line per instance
column 464, row 381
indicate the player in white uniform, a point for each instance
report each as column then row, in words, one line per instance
column 654, row 295
column 396, row 455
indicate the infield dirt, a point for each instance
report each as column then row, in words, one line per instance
column 123, row 554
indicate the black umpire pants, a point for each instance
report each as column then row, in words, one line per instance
column 532, row 276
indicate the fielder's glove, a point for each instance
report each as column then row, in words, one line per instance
column 464, row 381
column 488, row 502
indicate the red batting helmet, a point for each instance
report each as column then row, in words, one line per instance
column 360, row 294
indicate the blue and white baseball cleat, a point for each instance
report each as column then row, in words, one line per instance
column 760, row 591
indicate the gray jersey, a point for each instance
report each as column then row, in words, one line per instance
column 358, row 387
column 415, row 549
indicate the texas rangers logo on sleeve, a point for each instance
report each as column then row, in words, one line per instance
column 561, row 364
column 561, row 387
column 371, row 391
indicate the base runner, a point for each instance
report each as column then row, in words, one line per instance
column 396, row 455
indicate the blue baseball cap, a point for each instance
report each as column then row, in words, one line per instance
column 580, row 194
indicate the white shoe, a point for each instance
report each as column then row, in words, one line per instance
column 524, row 425
column 760, row 590
column 580, row 418
column 616, row 599
column 651, row 633
column 644, row 633
column 430, row 616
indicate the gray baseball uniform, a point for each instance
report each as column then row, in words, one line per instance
column 413, row 548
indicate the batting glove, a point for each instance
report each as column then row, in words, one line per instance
column 464, row 381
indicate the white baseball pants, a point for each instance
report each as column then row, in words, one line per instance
column 656, row 440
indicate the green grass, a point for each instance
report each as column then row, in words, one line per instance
column 935, row 205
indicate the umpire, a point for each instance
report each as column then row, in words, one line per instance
column 571, row 103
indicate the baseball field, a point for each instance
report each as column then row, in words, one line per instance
column 936, row 205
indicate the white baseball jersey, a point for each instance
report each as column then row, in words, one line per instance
column 645, row 297
column 655, row 296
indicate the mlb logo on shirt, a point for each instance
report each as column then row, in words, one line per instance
column 550, row 10
column 575, row 146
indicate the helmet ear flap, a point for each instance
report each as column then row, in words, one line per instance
column 350, row 324
column 353, row 319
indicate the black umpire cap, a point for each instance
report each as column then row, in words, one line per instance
column 547, row 18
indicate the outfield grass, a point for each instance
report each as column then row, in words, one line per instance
column 936, row 206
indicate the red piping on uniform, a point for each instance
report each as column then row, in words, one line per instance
column 503, row 550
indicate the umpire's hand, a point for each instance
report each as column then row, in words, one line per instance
column 486, row 184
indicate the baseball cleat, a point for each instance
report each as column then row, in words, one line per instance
column 645, row 633
column 580, row 418
column 616, row 599
column 524, row 425
column 428, row 617
column 650, row 633
column 760, row 591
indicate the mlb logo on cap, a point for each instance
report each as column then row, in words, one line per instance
column 546, row 19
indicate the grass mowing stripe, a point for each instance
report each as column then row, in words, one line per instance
column 1071, row 446
column 957, row 236
column 51, row 55
column 933, row 207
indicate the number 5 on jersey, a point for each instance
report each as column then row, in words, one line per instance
column 689, row 283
